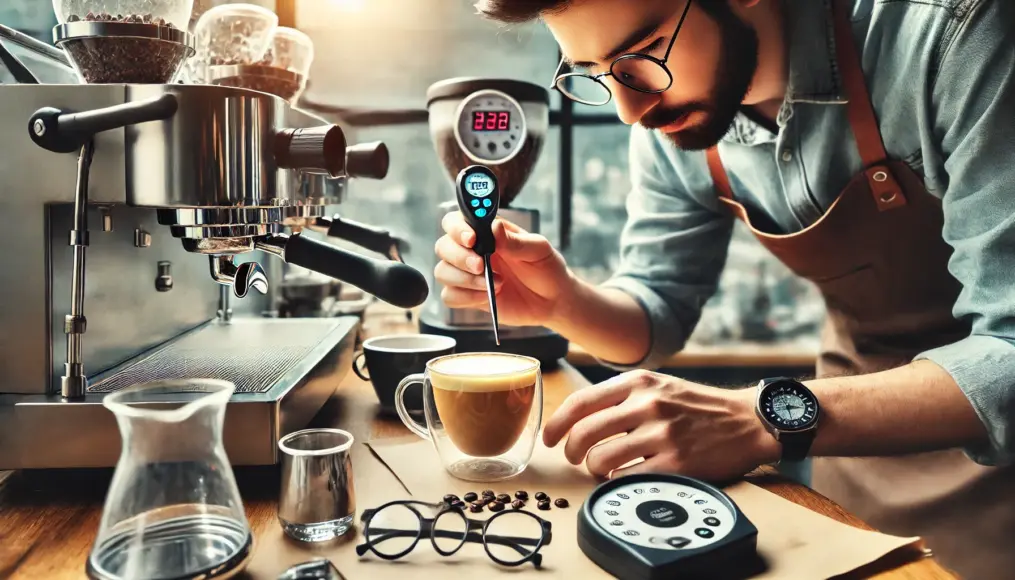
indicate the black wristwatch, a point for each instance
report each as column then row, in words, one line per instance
column 790, row 412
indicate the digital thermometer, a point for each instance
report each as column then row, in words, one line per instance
column 478, row 200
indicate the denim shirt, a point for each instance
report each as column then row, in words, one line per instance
column 941, row 74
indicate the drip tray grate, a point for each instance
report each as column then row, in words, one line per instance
column 252, row 354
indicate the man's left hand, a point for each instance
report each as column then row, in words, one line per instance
column 676, row 426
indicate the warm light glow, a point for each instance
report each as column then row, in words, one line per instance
column 350, row 5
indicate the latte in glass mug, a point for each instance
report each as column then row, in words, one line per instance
column 483, row 412
column 484, row 400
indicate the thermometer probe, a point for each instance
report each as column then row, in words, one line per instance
column 478, row 199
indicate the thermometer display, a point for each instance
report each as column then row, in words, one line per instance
column 479, row 185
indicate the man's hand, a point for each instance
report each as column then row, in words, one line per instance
column 676, row 426
column 530, row 277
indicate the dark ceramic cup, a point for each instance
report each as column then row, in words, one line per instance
column 389, row 359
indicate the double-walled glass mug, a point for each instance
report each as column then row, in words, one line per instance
column 483, row 412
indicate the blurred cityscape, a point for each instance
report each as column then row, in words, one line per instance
column 383, row 54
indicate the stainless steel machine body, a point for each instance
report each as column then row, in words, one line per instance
column 218, row 172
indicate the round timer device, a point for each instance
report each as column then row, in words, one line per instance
column 490, row 127
column 648, row 526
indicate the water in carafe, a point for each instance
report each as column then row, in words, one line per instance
column 173, row 509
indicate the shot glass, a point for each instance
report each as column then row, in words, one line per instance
column 317, row 502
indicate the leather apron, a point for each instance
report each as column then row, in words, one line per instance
column 879, row 259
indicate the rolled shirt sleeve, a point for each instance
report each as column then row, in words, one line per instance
column 973, row 116
column 674, row 245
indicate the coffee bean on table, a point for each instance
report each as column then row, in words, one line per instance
column 517, row 504
column 496, row 506
column 560, row 502
column 450, row 498
column 458, row 504
column 471, row 496
column 488, row 492
column 504, row 498
column 522, row 495
column 541, row 496
column 476, row 508
column 544, row 505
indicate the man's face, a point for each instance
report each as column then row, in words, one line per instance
column 712, row 61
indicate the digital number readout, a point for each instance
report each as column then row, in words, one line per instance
column 491, row 120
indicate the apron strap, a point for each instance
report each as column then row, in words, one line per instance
column 886, row 191
column 719, row 176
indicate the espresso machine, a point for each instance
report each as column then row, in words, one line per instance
column 500, row 124
column 127, row 208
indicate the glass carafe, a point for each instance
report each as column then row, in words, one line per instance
column 173, row 509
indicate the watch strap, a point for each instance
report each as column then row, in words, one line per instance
column 796, row 446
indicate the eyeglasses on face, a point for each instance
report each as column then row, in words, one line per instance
column 639, row 72
column 510, row 538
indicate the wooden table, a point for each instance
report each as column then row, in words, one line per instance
column 48, row 519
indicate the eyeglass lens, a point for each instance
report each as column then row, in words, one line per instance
column 393, row 531
column 512, row 537
column 450, row 529
column 641, row 74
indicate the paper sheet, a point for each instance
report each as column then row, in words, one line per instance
column 794, row 541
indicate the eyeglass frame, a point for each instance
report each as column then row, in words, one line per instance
column 426, row 526
column 558, row 77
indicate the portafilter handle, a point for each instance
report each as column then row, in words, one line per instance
column 372, row 238
column 393, row 282
column 64, row 132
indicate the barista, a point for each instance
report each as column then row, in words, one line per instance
column 869, row 146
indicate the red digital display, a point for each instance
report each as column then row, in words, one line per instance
column 491, row 120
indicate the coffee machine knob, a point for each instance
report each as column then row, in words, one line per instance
column 318, row 150
column 368, row 160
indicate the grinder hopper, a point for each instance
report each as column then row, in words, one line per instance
column 501, row 124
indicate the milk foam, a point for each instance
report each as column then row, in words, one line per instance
column 484, row 373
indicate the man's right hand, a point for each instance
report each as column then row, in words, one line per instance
column 530, row 276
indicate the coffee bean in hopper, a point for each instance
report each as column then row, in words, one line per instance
column 544, row 505
column 470, row 497
column 560, row 502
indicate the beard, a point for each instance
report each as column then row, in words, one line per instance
column 738, row 61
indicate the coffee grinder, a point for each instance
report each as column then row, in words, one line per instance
column 500, row 124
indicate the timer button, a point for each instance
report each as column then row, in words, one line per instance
column 492, row 147
column 704, row 533
column 712, row 521
column 486, row 202
column 475, row 203
column 480, row 212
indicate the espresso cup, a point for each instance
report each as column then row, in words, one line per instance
column 482, row 411
column 389, row 359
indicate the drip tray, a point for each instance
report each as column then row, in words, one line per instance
column 285, row 370
column 252, row 354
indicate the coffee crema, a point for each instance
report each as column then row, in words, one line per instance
column 484, row 401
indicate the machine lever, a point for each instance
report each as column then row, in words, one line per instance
column 393, row 282
column 63, row 132
column 372, row 238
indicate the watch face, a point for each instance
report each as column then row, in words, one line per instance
column 788, row 406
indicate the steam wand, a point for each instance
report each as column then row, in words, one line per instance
column 74, row 383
